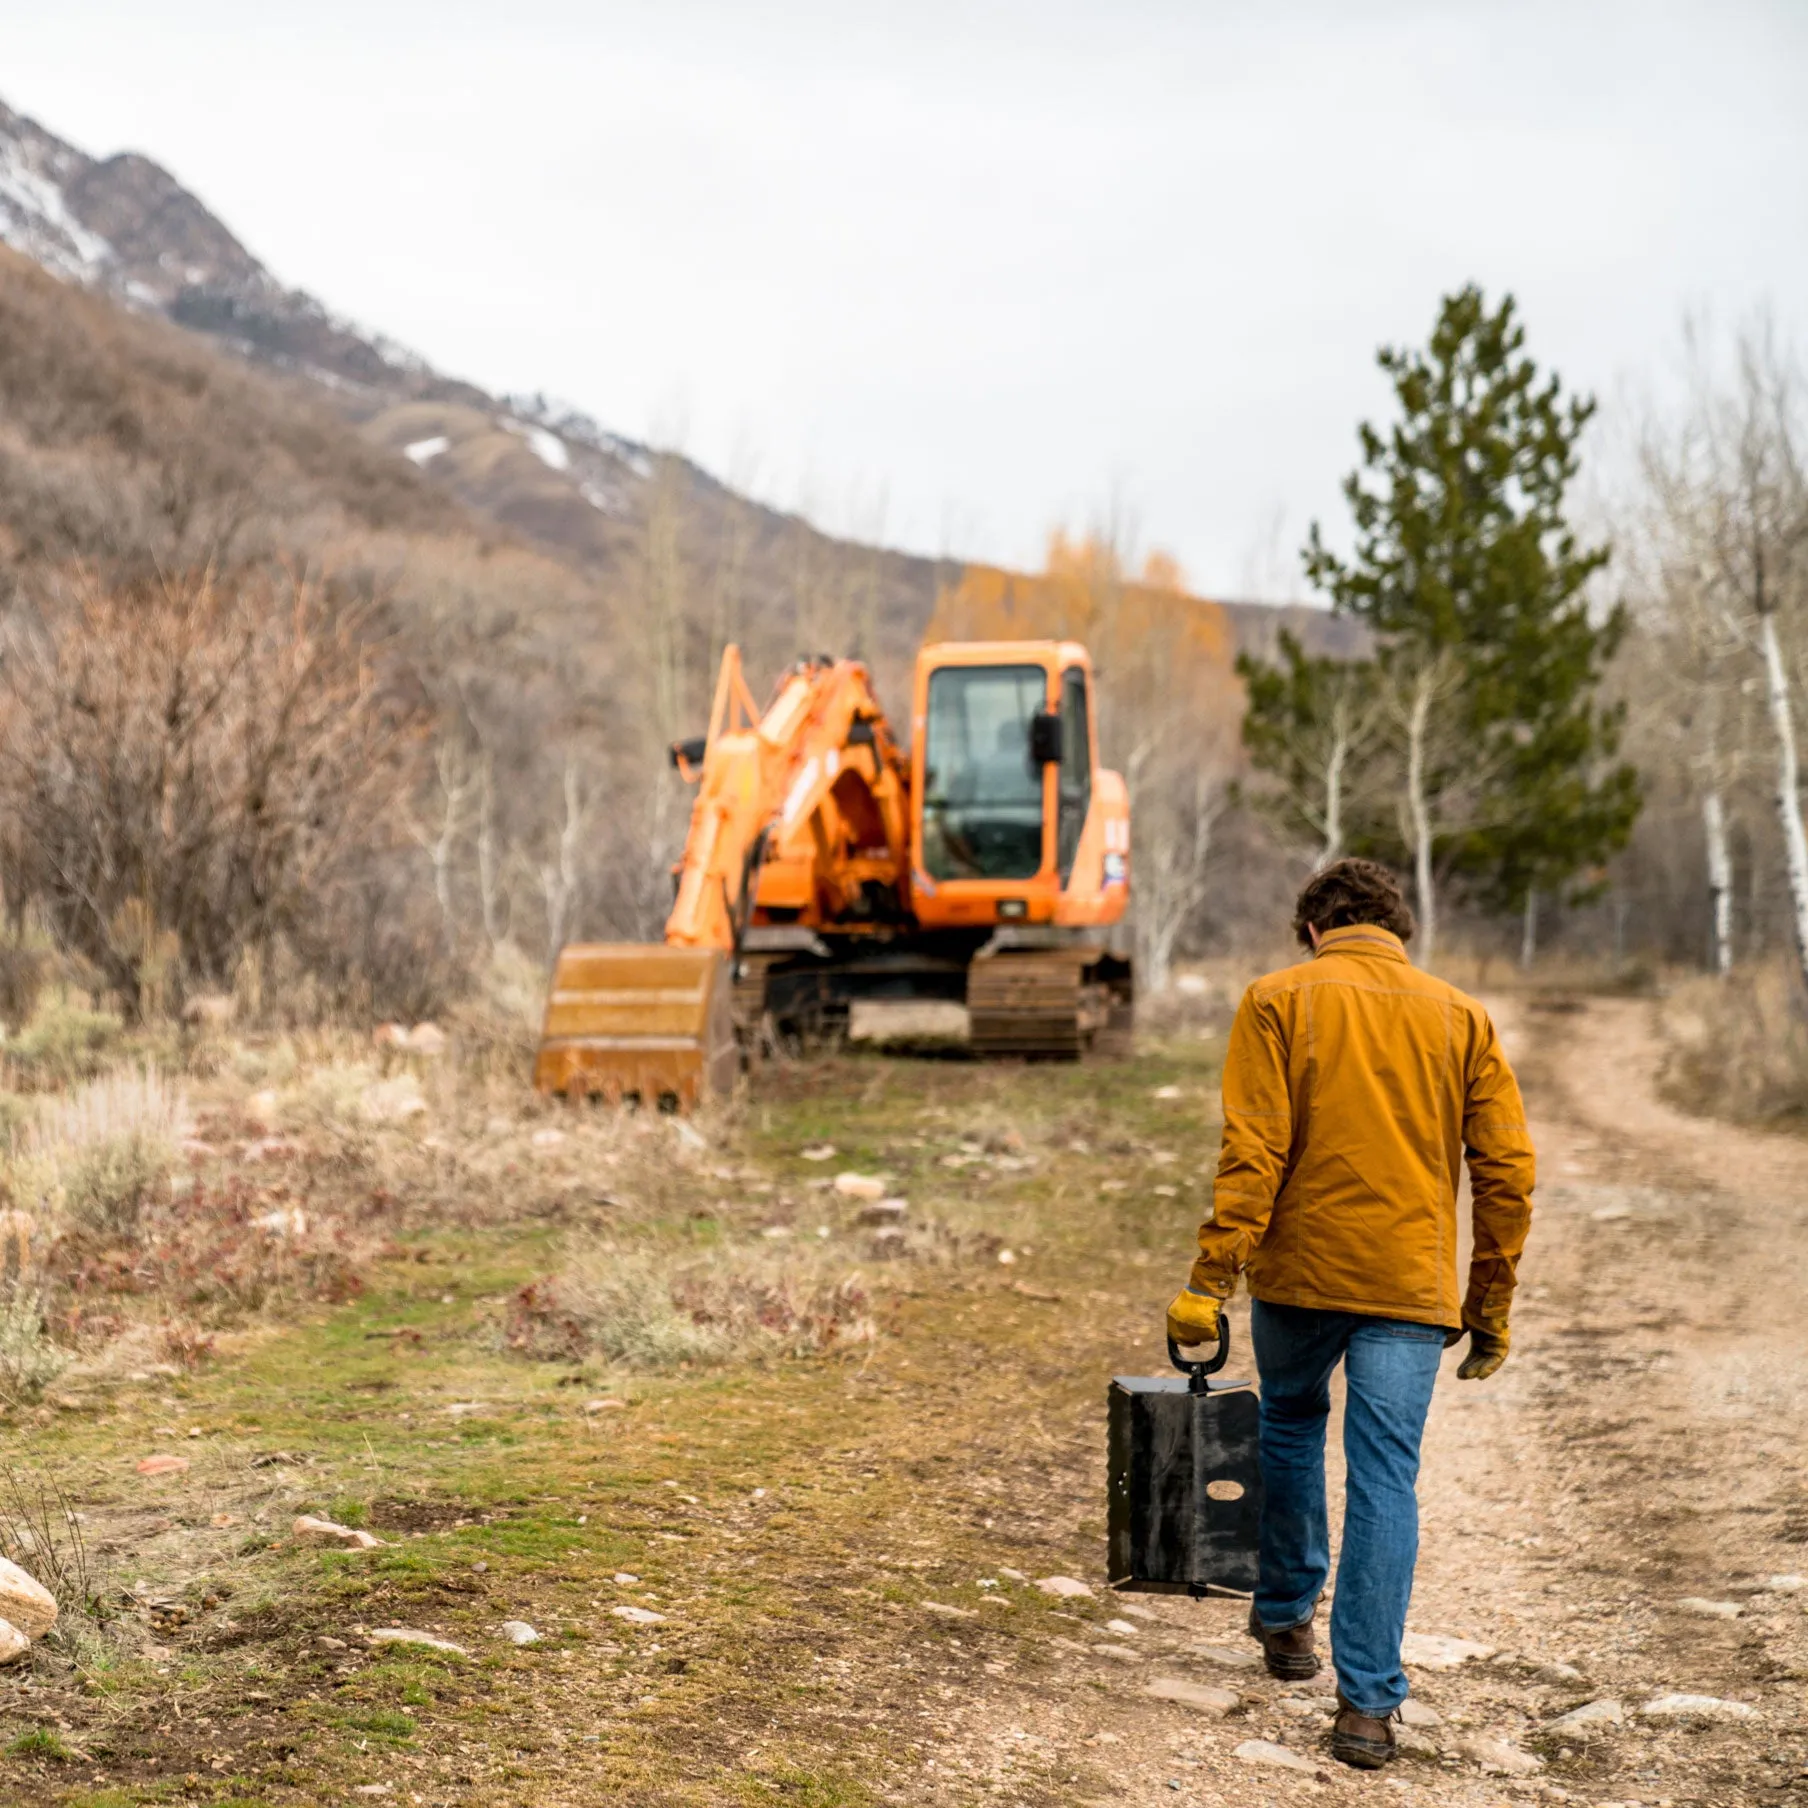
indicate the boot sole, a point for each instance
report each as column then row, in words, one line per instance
column 1281, row 1666
column 1362, row 1754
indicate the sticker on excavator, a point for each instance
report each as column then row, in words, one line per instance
column 625, row 1021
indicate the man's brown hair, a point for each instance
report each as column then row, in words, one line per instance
column 1348, row 892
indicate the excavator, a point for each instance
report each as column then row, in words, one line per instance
column 827, row 865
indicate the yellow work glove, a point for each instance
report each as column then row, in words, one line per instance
column 1489, row 1341
column 1193, row 1317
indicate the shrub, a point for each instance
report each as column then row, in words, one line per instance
column 653, row 1310
column 21, row 980
column 41, row 1530
column 96, row 1156
column 1739, row 1045
column 29, row 1361
column 106, row 1187
column 63, row 1043
column 217, row 1255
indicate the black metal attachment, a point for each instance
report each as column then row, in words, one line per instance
column 1185, row 1485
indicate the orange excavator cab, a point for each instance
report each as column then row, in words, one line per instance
column 825, row 865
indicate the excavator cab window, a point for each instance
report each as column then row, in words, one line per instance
column 982, row 791
column 1075, row 792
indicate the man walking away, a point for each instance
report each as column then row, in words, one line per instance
column 1353, row 1085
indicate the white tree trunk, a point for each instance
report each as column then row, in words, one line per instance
column 559, row 877
column 1720, row 881
column 489, row 885
column 1528, row 931
column 1340, row 753
column 1418, row 812
column 1172, row 877
column 1789, row 802
column 453, row 789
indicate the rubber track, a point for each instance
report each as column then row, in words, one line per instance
column 1027, row 1004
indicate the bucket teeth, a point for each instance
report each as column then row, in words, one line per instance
column 630, row 1022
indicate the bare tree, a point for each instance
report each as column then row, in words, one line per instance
column 1731, row 521
column 1442, row 780
column 198, row 766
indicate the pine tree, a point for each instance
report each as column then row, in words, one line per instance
column 1465, row 563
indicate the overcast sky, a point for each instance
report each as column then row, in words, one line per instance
column 954, row 273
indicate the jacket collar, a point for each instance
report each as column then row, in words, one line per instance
column 1362, row 938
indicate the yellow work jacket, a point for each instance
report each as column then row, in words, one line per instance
column 1353, row 1085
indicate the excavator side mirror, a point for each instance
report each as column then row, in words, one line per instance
column 1045, row 738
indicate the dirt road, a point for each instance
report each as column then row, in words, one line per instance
column 1645, row 1448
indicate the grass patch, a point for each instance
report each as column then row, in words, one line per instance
column 40, row 1742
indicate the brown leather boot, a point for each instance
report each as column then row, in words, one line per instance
column 1288, row 1653
column 1360, row 1740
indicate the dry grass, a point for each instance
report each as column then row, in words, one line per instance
column 90, row 1159
column 650, row 1308
column 1739, row 1045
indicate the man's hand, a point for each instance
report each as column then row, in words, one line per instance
column 1488, row 1344
column 1193, row 1317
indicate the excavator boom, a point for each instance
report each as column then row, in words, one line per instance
column 654, row 1024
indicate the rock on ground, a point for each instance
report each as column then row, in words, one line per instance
column 409, row 1635
column 13, row 1643
column 1264, row 1751
column 1709, row 1610
column 1063, row 1587
column 1589, row 1714
column 310, row 1530
column 519, row 1632
column 1498, row 1756
column 638, row 1616
column 1433, row 1651
column 1414, row 1712
column 25, row 1602
column 1194, row 1694
column 1696, row 1707
column 860, row 1186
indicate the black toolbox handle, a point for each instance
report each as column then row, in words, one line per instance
column 1196, row 1371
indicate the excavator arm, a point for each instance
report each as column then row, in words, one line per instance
column 805, row 802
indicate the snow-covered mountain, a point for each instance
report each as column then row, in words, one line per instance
column 125, row 226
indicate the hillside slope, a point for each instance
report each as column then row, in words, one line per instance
column 546, row 473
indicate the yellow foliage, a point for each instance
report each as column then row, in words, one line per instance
column 1147, row 635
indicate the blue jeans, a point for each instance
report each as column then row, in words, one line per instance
column 1390, row 1366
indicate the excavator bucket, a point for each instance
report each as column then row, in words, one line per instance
column 650, row 1024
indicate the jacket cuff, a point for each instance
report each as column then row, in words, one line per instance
column 1213, row 1286
column 1490, row 1295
